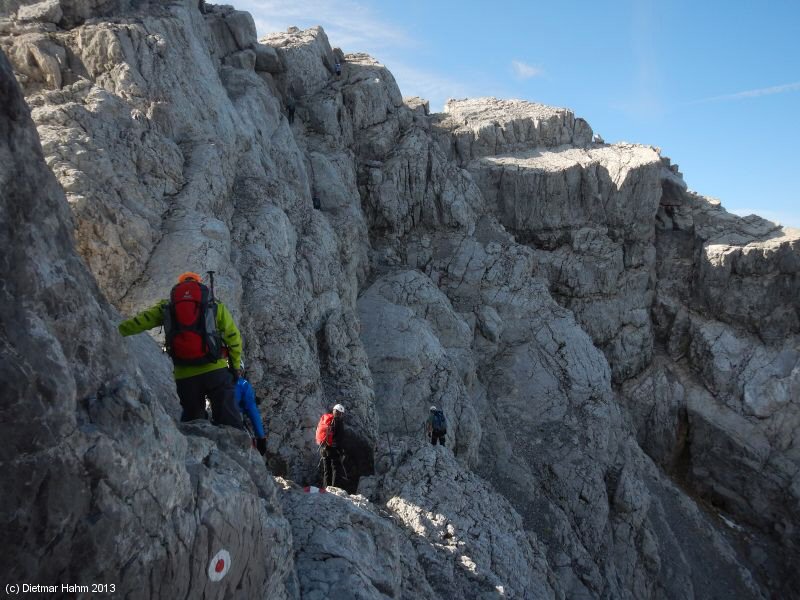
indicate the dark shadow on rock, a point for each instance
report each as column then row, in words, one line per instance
column 359, row 461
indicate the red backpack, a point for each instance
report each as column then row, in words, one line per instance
column 190, row 325
column 325, row 429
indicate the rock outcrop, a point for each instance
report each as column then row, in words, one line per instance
column 345, row 547
column 100, row 485
column 469, row 539
column 719, row 405
column 618, row 357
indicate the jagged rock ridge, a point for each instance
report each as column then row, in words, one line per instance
column 610, row 347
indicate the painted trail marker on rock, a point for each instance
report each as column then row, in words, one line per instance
column 219, row 565
column 310, row 489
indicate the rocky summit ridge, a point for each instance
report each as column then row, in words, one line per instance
column 618, row 356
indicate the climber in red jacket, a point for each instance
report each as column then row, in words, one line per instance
column 330, row 434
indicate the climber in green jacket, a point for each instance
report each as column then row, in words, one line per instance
column 199, row 331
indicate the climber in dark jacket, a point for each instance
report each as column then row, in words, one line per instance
column 436, row 426
column 246, row 401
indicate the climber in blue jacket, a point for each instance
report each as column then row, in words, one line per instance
column 245, row 399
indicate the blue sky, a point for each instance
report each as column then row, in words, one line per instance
column 715, row 84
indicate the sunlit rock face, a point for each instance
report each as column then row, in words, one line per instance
column 618, row 358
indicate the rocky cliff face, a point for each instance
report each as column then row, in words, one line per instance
column 100, row 485
column 619, row 358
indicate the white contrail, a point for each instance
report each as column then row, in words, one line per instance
column 767, row 91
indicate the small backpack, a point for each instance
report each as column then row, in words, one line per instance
column 439, row 423
column 325, row 429
column 190, row 325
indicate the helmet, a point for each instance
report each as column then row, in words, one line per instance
column 433, row 408
column 189, row 276
column 338, row 408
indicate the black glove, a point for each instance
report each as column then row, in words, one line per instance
column 261, row 445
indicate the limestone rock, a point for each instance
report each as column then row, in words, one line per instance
column 48, row 11
column 246, row 59
column 159, row 198
column 123, row 496
column 242, row 27
column 308, row 58
column 741, row 464
column 561, row 468
column 346, row 549
column 417, row 185
column 267, row 59
column 77, row 12
column 490, row 323
column 656, row 402
column 38, row 61
column 418, row 105
column 571, row 306
column 487, row 126
column 741, row 270
column 582, row 209
column 752, row 284
column 470, row 540
column 418, row 351
column 732, row 379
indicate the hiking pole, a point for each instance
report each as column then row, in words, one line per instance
column 249, row 429
column 319, row 464
column 211, row 280
column 389, row 447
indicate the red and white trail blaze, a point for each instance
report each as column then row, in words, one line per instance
column 219, row 565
